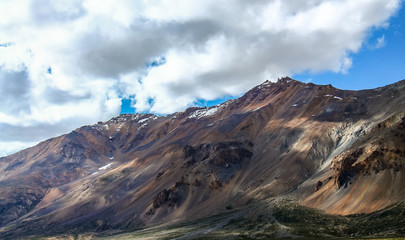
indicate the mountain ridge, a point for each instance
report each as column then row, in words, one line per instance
column 315, row 143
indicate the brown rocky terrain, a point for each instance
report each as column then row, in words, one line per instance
column 336, row 150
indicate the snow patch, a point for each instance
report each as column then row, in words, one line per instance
column 173, row 130
column 143, row 120
column 265, row 84
column 295, row 105
column 143, row 125
column 146, row 120
column 336, row 97
column 105, row 167
column 211, row 111
column 204, row 112
column 97, row 127
column 119, row 127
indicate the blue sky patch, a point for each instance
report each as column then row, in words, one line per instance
column 371, row 67
column 126, row 106
column 157, row 62
column 6, row 44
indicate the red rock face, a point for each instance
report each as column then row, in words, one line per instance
column 340, row 151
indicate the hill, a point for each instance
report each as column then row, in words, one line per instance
column 339, row 151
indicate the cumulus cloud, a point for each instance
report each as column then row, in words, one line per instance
column 64, row 64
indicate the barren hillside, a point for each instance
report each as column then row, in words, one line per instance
column 336, row 150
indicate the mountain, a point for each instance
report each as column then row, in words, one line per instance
column 339, row 151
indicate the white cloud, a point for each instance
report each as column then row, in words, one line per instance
column 7, row 147
column 100, row 51
column 380, row 42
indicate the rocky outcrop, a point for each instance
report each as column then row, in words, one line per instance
column 383, row 148
column 220, row 154
column 170, row 198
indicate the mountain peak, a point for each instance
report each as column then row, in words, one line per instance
column 318, row 144
column 285, row 80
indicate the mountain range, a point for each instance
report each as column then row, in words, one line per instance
column 284, row 147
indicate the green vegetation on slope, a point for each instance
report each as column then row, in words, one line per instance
column 303, row 221
column 282, row 220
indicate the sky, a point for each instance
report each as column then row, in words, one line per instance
column 65, row 64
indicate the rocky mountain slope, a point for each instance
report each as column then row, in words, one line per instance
column 340, row 151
